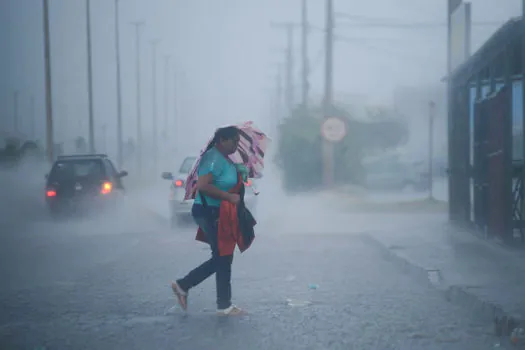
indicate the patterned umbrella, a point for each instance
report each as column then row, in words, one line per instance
column 250, row 153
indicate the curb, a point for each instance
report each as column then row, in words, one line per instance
column 488, row 310
column 414, row 206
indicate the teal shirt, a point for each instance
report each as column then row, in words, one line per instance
column 224, row 174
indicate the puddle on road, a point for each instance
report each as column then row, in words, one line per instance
column 298, row 303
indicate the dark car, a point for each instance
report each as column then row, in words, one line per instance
column 83, row 183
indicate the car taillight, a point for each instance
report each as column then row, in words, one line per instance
column 179, row 183
column 248, row 183
column 51, row 193
column 106, row 187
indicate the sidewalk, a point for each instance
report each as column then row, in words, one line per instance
column 470, row 270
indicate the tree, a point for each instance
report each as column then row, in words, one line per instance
column 300, row 146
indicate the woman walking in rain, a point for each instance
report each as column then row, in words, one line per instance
column 223, row 220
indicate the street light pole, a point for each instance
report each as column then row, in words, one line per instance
column 139, row 121
column 154, row 104
column 90, row 80
column 49, row 103
column 166, row 94
column 120, row 157
column 177, row 107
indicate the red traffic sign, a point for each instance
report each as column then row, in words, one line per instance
column 333, row 129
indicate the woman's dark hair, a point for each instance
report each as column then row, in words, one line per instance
column 226, row 133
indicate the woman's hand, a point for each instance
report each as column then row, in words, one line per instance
column 233, row 198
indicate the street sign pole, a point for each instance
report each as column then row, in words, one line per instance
column 333, row 130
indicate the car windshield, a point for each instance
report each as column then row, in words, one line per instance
column 74, row 169
column 185, row 168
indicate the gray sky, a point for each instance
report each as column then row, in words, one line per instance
column 224, row 53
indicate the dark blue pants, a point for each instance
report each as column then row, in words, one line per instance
column 207, row 219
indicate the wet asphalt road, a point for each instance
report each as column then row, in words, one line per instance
column 77, row 286
column 103, row 283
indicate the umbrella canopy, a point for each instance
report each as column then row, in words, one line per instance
column 252, row 147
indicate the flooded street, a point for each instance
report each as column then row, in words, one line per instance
column 313, row 279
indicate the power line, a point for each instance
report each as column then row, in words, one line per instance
column 382, row 50
column 374, row 38
column 364, row 21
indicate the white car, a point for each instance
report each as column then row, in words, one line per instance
column 180, row 209
column 385, row 175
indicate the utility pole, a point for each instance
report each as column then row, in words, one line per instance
column 90, row 80
column 138, row 147
column 154, row 44
column 32, row 118
column 279, row 102
column 49, row 104
column 166, row 94
column 431, row 116
column 289, row 69
column 279, row 96
column 15, row 111
column 328, row 148
column 120, row 156
column 176, row 107
column 304, row 47
column 289, row 27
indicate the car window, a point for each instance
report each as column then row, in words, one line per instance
column 71, row 169
column 187, row 164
